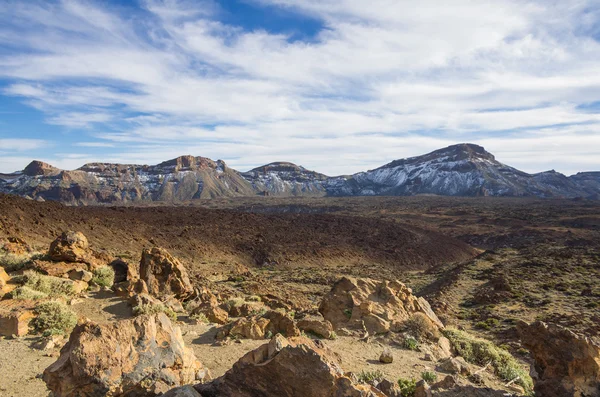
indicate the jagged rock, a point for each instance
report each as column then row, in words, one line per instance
column 124, row 271
column 49, row 343
column 259, row 327
column 455, row 365
column 316, row 326
column 390, row 389
column 444, row 347
column 17, row 246
column 567, row 364
column 81, row 275
column 387, row 356
column 376, row 306
column 286, row 368
column 245, row 309
column 15, row 316
column 164, row 274
column 143, row 299
column 145, row 356
column 70, row 247
column 422, row 389
column 4, row 278
column 448, row 382
column 209, row 306
column 185, row 391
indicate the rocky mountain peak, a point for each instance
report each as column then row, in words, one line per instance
column 464, row 151
column 279, row 166
column 37, row 168
column 188, row 163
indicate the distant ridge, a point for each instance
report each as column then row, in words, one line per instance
column 459, row 170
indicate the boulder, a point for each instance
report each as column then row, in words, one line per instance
column 258, row 327
column 4, row 277
column 422, row 389
column 184, row 391
column 387, row 356
column 455, row 365
column 16, row 246
column 285, row 368
column 70, row 247
column 124, row 271
column 316, row 326
column 144, row 356
column 15, row 316
column 566, row 363
column 208, row 305
column 389, row 388
column 374, row 306
column 164, row 274
column 81, row 275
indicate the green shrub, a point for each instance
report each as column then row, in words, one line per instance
column 254, row 298
column 411, row 344
column 200, row 317
column 370, row 377
column 104, row 276
column 13, row 262
column 407, row 387
column 487, row 324
column 480, row 352
column 53, row 318
column 333, row 335
column 348, row 313
column 154, row 309
column 52, row 286
column 429, row 376
column 26, row 293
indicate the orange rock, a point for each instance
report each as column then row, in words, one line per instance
column 15, row 316
column 164, row 274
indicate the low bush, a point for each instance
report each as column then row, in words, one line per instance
column 411, row 344
column 104, row 276
column 154, row 309
column 370, row 377
column 480, row 352
column 429, row 376
column 13, row 262
column 52, row 286
column 421, row 327
column 26, row 293
column 53, row 318
column 200, row 317
column 407, row 387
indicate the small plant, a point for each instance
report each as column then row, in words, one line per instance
column 54, row 318
column 26, row 293
column 291, row 313
column 348, row 313
column 200, row 317
column 429, row 376
column 254, row 298
column 370, row 377
column 407, row 387
column 104, row 276
column 411, row 344
column 268, row 335
column 234, row 302
column 154, row 309
column 333, row 335
column 52, row 286
column 487, row 324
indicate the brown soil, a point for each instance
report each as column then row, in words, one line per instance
column 222, row 240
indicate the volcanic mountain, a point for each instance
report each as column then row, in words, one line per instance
column 458, row 170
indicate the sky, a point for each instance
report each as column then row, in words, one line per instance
column 338, row 86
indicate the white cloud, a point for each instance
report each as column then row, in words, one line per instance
column 382, row 80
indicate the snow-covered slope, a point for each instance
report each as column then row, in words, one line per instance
column 458, row 170
column 286, row 179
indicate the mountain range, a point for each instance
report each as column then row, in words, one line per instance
column 458, row 170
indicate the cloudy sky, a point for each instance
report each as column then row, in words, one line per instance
column 338, row 86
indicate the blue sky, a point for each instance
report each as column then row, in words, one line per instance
column 338, row 86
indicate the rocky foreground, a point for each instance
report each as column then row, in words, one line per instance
column 144, row 354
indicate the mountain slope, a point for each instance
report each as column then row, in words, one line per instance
column 458, row 170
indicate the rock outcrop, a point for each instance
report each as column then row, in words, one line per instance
column 70, row 247
column 15, row 316
column 286, row 368
column 260, row 326
column 145, row 356
column 164, row 274
column 567, row 364
column 374, row 306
